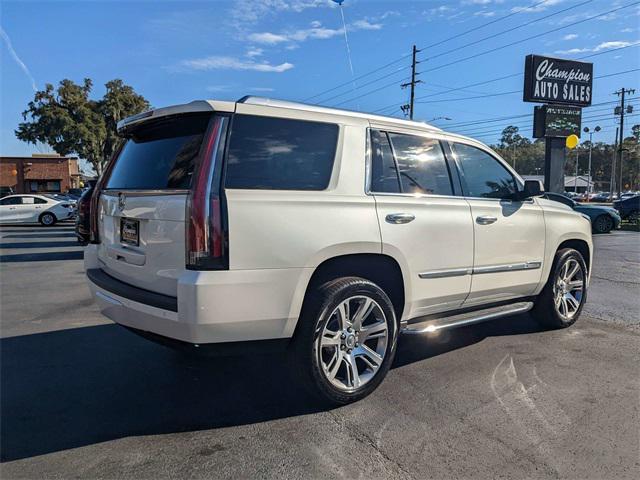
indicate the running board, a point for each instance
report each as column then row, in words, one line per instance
column 467, row 318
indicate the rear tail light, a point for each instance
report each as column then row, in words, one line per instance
column 94, row 230
column 205, row 233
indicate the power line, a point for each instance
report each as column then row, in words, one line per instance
column 523, row 9
column 491, row 22
column 504, row 77
column 495, row 49
column 526, row 24
column 511, row 92
column 498, row 119
column 527, row 127
column 500, row 48
column 395, row 72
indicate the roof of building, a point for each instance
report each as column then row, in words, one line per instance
column 569, row 180
column 38, row 156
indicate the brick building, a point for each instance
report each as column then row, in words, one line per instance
column 39, row 173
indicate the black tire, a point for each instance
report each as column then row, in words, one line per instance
column 545, row 310
column 47, row 219
column 318, row 310
column 603, row 224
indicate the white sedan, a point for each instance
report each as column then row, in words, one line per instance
column 30, row 208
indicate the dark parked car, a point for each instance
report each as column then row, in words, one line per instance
column 83, row 217
column 600, row 197
column 603, row 219
column 629, row 208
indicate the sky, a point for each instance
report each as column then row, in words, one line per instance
column 177, row 51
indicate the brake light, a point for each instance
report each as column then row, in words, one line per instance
column 95, row 197
column 205, row 235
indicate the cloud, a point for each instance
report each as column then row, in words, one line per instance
column 267, row 38
column 262, row 89
column 540, row 7
column 17, row 59
column 315, row 32
column 480, row 2
column 598, row 48
column 570, row 36
column 440, row 11
column 254, row 52
column 250, row 11
column 218, row 88
column 365, row 25
column 627, row 30
column 614, row 44
column 218, row 62
column 484, row 13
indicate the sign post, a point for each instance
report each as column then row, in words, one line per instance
column 565, row 86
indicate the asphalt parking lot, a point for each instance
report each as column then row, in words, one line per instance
column 81, row 397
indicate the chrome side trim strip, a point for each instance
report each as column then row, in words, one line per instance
column 452, row 272
column 459, row 272
column 513, row 267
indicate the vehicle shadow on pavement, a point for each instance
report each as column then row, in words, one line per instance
column 77, row 387
column 42, row 256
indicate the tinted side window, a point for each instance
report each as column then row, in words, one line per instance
column 11, row 201
column 482, row 175
column 160, row 155
column 384, row 176
column 421, row 165
column 559, row 198
column 39, row 200
column 280, row 154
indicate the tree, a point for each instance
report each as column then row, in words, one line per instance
column 72, row 123
column 511, row 137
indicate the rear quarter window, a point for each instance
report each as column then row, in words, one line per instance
column 160, row 155
column 280, row 154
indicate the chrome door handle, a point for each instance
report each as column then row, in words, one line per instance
column 486, row 220
column 398, row 218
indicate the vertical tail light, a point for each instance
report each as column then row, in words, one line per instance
column 94, row 207
column 205, row 233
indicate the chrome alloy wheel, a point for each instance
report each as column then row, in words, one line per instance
column 568, row 289
column 353, row 343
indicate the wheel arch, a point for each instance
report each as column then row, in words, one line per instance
column 55, row 217
column 579, row 245
column 381, row 269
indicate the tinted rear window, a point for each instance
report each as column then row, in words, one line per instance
column 280, row 154
column 160, row 155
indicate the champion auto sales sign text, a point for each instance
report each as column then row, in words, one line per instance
column 553, row 80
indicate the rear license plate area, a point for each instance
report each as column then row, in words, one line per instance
column 130, row 231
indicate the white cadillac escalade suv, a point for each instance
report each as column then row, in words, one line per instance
column 263, row 222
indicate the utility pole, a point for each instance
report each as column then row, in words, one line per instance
column 612, row 184
column 621, row 93
column 412, row 84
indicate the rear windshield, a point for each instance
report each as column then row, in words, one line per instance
column 160, row 155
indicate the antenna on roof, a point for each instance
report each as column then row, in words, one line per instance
column 346, row 41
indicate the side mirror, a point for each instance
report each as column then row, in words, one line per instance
column 532, row 188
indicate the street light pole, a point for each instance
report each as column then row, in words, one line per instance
column 586, row 130
column 575, row 179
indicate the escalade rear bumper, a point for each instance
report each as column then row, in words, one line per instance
column 211, row 306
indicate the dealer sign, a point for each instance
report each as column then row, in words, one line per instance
column 553, row 80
